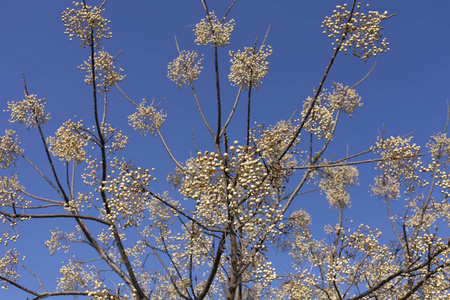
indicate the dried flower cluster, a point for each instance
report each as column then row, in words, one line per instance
column 439, row 145
column 106, row 75
column 86, row 23
column 11, row 192
column 344, row 98
column 11, row 196
column 335, row 183
column 212, row 31
column 76, row 277
column 128, row 197
column 362, row 31
column 8, row 267
column 117, row 141
column 399, row 165
column 9, row 149
column 146, row 119
column 69, row 142
column 322, row 118
column 185, row 69
column 248, row 67
column 221, row 185
column 58, row 241
column 29, row 111
column 271, row 142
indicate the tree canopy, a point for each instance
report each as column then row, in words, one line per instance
column 241, row 195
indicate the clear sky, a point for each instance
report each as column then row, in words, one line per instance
column 407, row 90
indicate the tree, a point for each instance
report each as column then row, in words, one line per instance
column 232, row 205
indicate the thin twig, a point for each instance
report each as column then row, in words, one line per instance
column 11, row 282
column 169, row 152
column 265, row 37
column 34, row 275
column 365, row 77
column 131, row 101
column 231, row 113
column 247, row 133
column 176, row 43
column 51, row 216
column 159, row 103
column 43, row 199
column 448, row 116
column 193, row 139
column 25, row 90
column 201, row 112
column 228, row 10
column 105, row 106
column 43, row 176
column 219, row 105
column 103, row 3
column 73, row 180
column 38, row 206
column 332, row 164
column 205, row 7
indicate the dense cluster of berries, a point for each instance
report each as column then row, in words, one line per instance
column 29, row 111
column 212, row 31
column 128, row 197
column 86, row 23
column 322, row 118
column 249, row 67
column 9, row 149
column 185, row 69
column 146, row 119
column 362, row 31
column 8, row 265
column 106, row 74
column 399, row 166
column 69, row 142
column 335, row 183
column 116, row 140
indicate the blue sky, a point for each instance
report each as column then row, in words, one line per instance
column 407, row 90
